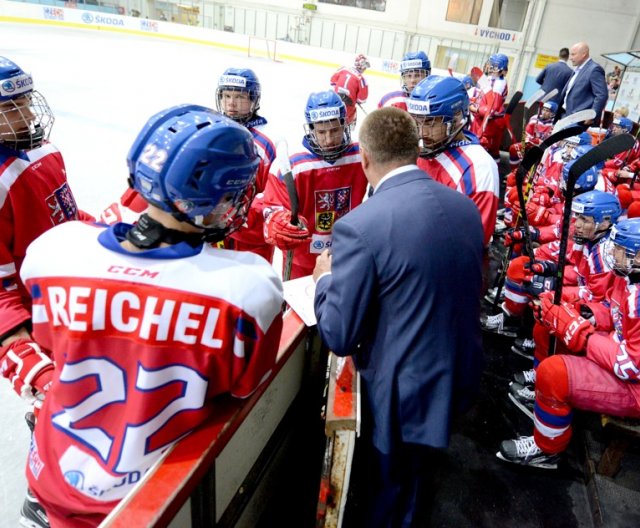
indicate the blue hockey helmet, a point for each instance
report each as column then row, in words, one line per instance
column 624, row 124
column 327, row 108
column 551, row 106
column 198, row 165
column 437, row 100
column 241, row 80
column 499, row 62
column 588, row 179
column 467, row 82
column 26, row 117
column 624, row 247
column 415, row 60
column 601, row 207
column 414, row 67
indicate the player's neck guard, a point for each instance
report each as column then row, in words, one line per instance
column 148, row 233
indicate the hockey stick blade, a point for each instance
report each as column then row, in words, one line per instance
column 513, row 103
column 549, row 95
column 605, row 150
column 534, row 98
column 565, row 133
column 578, row 117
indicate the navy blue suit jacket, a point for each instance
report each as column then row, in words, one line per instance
column 555, row 75
column 588, row 91
column 403, row 296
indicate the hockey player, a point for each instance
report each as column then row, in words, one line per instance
column 351, row 86
column 595, row 213
column 537, row 130
column 488, row 121
column 414, row 67
column 449, row 154
column 238, row 97
column 329, row 181
column 520, row 285
column 34, row 197
column 609, row 336
column 147, row 324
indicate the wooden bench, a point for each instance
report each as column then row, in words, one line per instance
column 620, row 434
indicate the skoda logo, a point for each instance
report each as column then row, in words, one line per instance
column 8, row 86
column 313, row 115
column 318, row 244
column 87, row 17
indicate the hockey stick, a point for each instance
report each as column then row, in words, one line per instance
column 513, row 103
column 533, row 99
column 362, row 108
column 605, row 150
column 282, row 154
column 573, row 119
column 528, row 165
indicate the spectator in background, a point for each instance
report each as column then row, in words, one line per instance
column 556, row 75
column 621, row 111
column 586, row 88
column 616, row 73
column 410, row 317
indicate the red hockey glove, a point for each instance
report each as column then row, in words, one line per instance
column 624, row 195
column 28, row 367
column 511, row 178
column 542, row 267
column 566, row 323
column 537, row 215
column 515, row 236
column 279, row 230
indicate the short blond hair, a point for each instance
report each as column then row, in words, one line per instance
column 390, row 136
column 622, row 111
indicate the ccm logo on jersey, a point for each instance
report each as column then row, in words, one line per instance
column 136, row 272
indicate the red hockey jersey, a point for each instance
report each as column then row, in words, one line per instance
column 142, row 342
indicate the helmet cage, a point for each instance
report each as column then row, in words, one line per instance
column 328, row 153
column 622, row 251
column 25, row 121
column 623, row 261
column 230, row 82
column 452, row 129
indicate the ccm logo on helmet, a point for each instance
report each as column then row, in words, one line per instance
column 327, row 113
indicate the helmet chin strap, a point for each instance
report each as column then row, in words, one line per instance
column 148, row 233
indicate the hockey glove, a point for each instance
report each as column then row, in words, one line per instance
column 279, row 230
column 540, row 284
column 29, row 369
column 566, row 323
column 515, row 236
column 546, row 268
column 537, row 215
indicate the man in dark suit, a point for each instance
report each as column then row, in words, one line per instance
column 556, row 75
column 587, row 87
column 401, row 291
